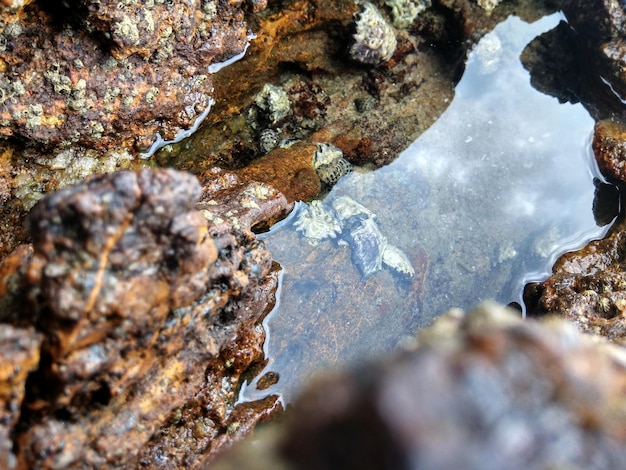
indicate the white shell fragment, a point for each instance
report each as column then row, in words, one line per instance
column 367, row 245
column 345, row 207
column 396, row 259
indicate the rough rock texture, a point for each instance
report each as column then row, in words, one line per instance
column 111, row 74
column 489, row 392
column 600, row 25
column 588, row 286
column 149, row 314
column 609, row 148
column 483, row 390
column 22, row 346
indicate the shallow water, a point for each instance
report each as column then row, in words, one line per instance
column 482, row 203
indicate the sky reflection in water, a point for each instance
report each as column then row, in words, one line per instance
column 490, row 195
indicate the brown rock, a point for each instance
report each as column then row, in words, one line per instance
column 587, row 286
column 150, row 314
column 22, row 347
column 609, row 148
column 481, row 391
column 601, row 25
column 112, row 74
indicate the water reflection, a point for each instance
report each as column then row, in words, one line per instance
column 481, row 203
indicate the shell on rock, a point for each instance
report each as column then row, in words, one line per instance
column 367, row 245
column 374, row 40
column 316, row 223
column 329, row 163
column 346, row 208
column 398, row 261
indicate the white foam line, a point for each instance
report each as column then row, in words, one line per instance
column 214, row 68
column 607, row 83
column 183, row 134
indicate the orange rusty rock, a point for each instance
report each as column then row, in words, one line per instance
column 289, row 170
column 21, row 346
column 145, row 306
column 609, row 148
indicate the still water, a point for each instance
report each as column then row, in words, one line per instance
column 481, row 203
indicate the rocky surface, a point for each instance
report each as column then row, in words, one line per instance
column 483, row 390
column 600, row 26
column 111, row 74
column 588, row 286
column 129, row 320
column 139, row 301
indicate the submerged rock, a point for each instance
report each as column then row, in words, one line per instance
column 149, row 313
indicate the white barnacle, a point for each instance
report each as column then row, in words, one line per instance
column 374, row 40
column 398, row 261
column 404, row 12
column 316, row 223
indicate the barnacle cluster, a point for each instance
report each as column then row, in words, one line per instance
column 329, row 163
column 374, row 40
column 317, row 223
column 271, row 105
column 356, row 226
column 404, row 12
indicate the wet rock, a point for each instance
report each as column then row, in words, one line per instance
column 21, row 345
column 588, row 286
column 149, row 313
column 609, row 148
column 111, row 74
column 601, row 25
column 484, row 390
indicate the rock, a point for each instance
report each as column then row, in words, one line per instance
column 149, row 314
column 110, row 74
column 601, row 26
column 484, row 390
column 609, row 148
column 22, row 346
column 588, row 286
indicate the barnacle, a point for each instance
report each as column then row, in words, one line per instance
column 316, row 223
column 488, row 5
column 274, row 103
column 375, row 39
column 404, row 12
column 397, row 260
column 346, row 208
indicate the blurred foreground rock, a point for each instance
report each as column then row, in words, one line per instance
column 147, row 314
column 485, row 390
